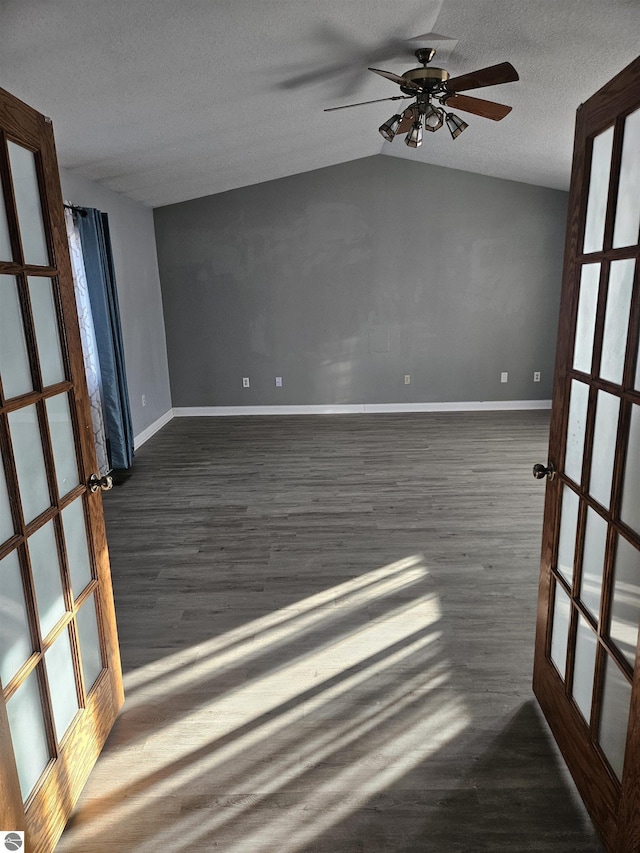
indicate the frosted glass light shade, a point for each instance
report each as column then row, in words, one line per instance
column 414, row 138
column 456, row 125
column 389, row 129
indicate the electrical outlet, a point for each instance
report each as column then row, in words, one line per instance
column 278, row 381
column 407, row 379
column 144, row 400
column 504, row 376
column 536, row 376
column 245, row 381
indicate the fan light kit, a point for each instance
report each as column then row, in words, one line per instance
column 434, row 93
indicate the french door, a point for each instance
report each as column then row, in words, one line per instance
column 586, row 674
column 60, row 673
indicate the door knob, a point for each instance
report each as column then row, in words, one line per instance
column 96, row 483
column 540, row 472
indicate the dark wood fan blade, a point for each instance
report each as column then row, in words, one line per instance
column 504, row 72
column 362, row 103
column 477, row 106
column 396, row 78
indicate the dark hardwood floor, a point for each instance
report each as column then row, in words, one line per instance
column 327, row 629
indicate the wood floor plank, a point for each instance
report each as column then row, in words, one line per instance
column 327, row 629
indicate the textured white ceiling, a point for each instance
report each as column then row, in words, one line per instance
column 166, row 101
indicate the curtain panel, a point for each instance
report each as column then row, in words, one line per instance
column 89, row 345
column 103, row 295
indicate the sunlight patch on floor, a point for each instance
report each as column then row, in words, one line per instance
column 277, row 625
column 343, row 694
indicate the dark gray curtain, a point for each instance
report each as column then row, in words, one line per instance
column 101, row 284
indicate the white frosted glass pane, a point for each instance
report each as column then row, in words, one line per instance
column 46, row 575
column 64, row 451
column 6, row 522
column 614, row 718
column 567, row 541
column 46, row 323
column 616, row 321
column 598, row 191
column 575, row 430
column 627, row 224
column 29, row 459
column 15, row 640
column 625, row 603
column 89, row 643
column 5, row 242
column 14, row 360
column 62, row 683
column 630, row 506
column 584, row 667
column 604, row 447
column 27, row 195
column 28, row 734
column 595, row 542
column 586, row 321
column 636, row 384
column 75, row 535
column 560, row 630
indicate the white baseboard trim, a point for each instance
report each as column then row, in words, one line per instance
column 360, row 408
column 468, row 406
column 152, row 429
column 225, row 411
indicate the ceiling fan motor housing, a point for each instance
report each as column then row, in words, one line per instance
column 429, row 79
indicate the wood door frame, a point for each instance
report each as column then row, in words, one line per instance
column 614, row 806
column 48, row 807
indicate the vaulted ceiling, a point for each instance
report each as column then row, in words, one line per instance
column 165, row 101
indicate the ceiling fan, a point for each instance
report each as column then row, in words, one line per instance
column 435, row 92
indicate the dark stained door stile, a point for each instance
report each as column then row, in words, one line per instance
column 612, row 797
column 42, row 808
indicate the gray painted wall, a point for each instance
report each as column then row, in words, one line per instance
column 139, row 295
column 344, row 279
